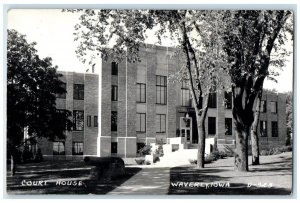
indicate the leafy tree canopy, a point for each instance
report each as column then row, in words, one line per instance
column 32, row 85
column 120, row 34
column 250, row 39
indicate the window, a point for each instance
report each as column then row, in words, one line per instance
column 228, row 126
column 185, row 94
column 160, row 123
column 89, row 121
column 114, row 68
column 77, row 148
column 62, row 95
column 141, row 122
column 212, row 97
column 114, row 147
column 273, row 107
column 78, row 92
column 78, row 120
column 95, row 121
column 139, row 146
column 263, row 106
column 274, row 129
column 212, row 125
column 161, row 89
column 114, row 121
column 263, row 129
column 212, row 100
column 228, row 100
column 114, row 93
column 141, row 92
column 58, row 148
column 62, row 115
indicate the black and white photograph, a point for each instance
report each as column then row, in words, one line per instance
column 147, row 101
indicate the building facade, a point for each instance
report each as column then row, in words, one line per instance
column 122, row 107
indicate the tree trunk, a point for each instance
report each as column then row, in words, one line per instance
column 12, row 165
column 201, row 115
column 241, row 150
column 254, row 133
column 12, row 161
column 243, row 116
column 201, row 142
column 255, row 146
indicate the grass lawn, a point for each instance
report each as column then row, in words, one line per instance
column 272, row 177
column 58, row 175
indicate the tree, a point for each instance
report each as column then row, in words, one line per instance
column 289, row 117
column 119, row 34
column 254, row 133
column 32, row 84
column 250, row 37
column 200, row 46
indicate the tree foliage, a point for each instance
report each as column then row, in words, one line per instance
column 237, row 42
column 119, row 34
column 32, row 85
column 250, row 38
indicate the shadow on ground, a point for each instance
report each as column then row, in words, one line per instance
column 103, row 187
column 223, row 180
column 58, row 175
column 218, row 178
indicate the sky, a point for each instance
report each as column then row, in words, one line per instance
column 53, row 32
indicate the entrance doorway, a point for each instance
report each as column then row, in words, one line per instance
column 186, row 128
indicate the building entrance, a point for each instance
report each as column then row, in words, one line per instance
column 186, row 128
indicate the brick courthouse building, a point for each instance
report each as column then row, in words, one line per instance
column 120, row 107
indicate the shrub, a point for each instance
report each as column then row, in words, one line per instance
column 222, row 154
column 275, row 150
column 146, row 150
column 140, row 161
column 263, row 152
column 208, row 159
column 288, row 148
column 213, row 156
column 228, row 151
column 159, row 151
column 216, row 154
column 155, row 158
column 193, row 161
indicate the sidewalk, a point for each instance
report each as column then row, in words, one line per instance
column 149, row 181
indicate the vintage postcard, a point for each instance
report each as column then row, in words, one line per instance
column 149, row 101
